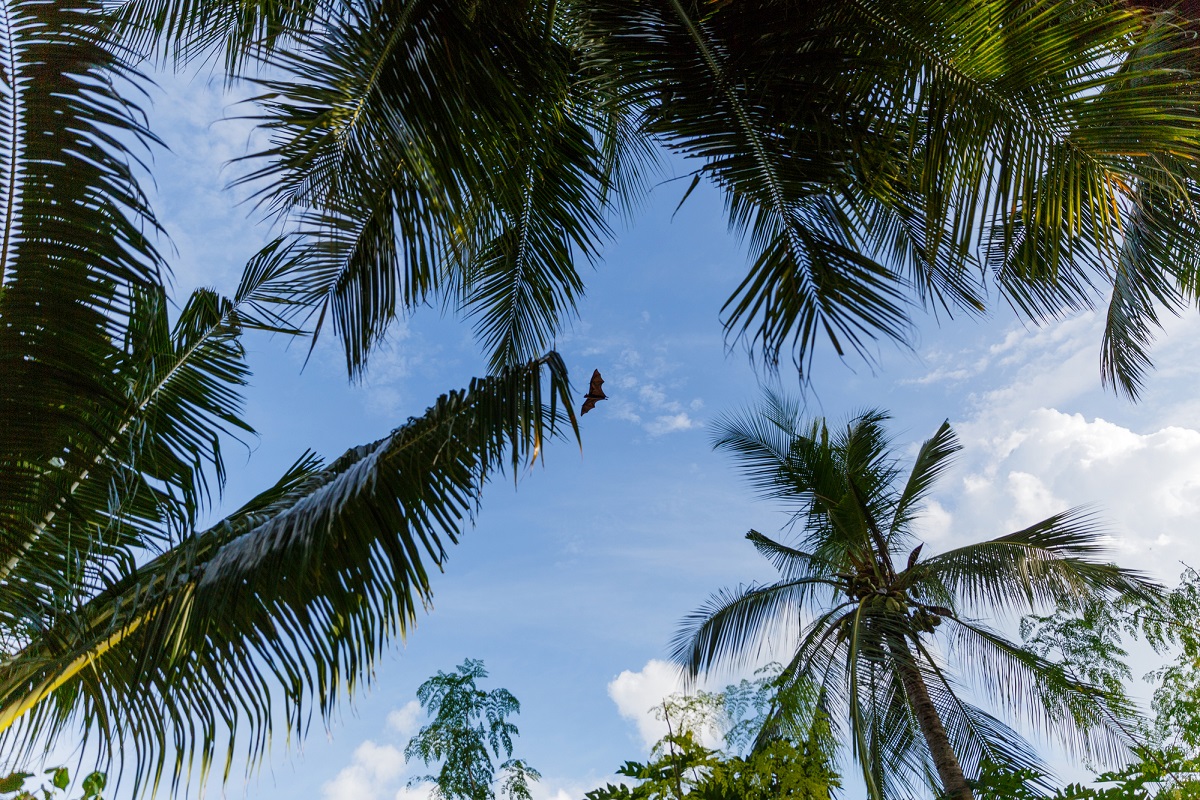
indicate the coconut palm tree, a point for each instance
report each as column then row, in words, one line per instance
column 879, row 156
column 885, row 634
column 120, row 617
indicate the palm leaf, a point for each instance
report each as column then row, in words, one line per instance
column 74, row 252
column 144, row 487
column 1085, row 717
column 1050, row 562
column 734, row 623
column 292, row 598
column 931, row 462
column 430, row 148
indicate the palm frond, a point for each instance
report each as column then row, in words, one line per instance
column 761, row 440
column 731, row 626
column 1141, row 289
column 179, row 32
column 716, row 86
column 75, row 249
column 141, row 491
column 792, row 564
column 932, row 460
column 1052, row 562
column 1087, row 719
column 430, row 149
column 291, row 599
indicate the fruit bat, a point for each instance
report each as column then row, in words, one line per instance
column 594, row 394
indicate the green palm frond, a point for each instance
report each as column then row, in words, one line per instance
column 427, row 148
column 732, row 625
column 1089, row 720
column 934, row 457
column 877, row 156
column 977, row 735
column 292, row 598
column 791, row 563
column 233, row 31
column 1054, row 561
column 1141, row 291
column 523, row 282
column 74, row 248
column 760, row 439
column 142, row 488
column 881, row 153
column 719, row 85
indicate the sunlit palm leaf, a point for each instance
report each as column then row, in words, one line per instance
column 292, row 598
column 1050, row 562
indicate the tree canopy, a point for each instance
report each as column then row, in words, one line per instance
column 879, row 158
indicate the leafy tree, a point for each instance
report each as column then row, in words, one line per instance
column 879, row 156
column 879, row 628
column 13, row 786
column 469, row 727
column 1088, row 642
column 778, row 766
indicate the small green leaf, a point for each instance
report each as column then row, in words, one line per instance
column 94, row 784
column 61, row 779
column 14, row 781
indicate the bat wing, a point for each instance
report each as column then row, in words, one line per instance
column 597, row 382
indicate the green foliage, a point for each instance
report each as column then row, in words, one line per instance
column 14, row 785
column 1088, row 642
column 469, row 727
column 780, row 769
column 878, row 156
column 1153, row 775
column 680, row 766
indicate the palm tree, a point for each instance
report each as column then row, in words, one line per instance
column 880, row 156
column 878, row 627
column 119, row 617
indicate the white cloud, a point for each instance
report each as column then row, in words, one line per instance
column 1146, row 486
column 637, row 694
column 422, row 791
column 405, row 720
column 371, row 775
column 639, row 698
column 671, row 423
column 651, row 404
column 936, row 524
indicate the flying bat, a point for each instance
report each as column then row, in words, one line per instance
column 594, row 394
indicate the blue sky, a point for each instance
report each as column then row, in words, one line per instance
column 570, row 586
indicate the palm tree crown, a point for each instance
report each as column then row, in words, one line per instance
column 878, row 626
column 878, row 156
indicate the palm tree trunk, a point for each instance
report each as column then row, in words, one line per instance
column 954, row 783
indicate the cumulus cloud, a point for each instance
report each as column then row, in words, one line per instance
column 1040, row 436
column 637, row 694
column 1144, row 485
column 405, row 720
column 639, row 698
column 371, row 775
